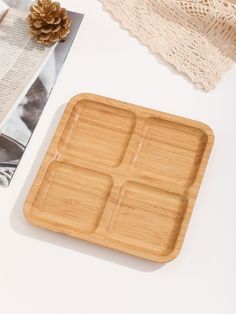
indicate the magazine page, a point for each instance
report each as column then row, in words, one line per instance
column 21, row 57
column 20, row 125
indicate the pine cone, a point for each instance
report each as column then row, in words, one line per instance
column 49, row 23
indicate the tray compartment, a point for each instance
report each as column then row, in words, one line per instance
column 72, row 196
column 170, row 152
column 148, row 218
column 98, row 133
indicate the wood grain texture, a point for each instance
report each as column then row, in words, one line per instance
column 121, row 176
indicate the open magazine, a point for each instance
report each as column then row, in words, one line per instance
column 28, row 73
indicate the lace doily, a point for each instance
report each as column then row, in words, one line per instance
column 198, row 37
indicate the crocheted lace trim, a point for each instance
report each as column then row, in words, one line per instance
column 198, row 37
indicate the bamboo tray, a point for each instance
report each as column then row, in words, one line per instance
column 121, row 176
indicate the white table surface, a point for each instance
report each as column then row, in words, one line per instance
column 44, row 273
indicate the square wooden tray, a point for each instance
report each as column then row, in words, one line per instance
column 121, row 176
